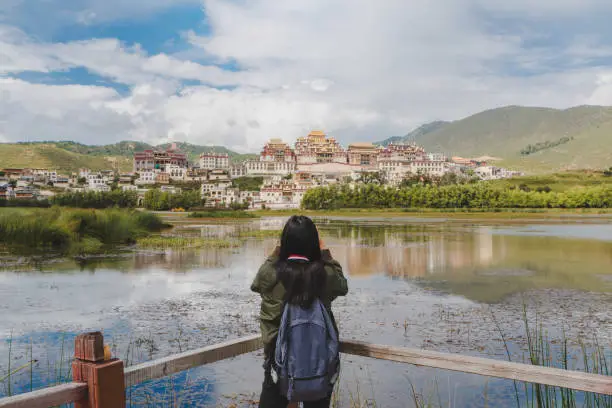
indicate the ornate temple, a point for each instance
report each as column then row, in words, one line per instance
column 318, row 148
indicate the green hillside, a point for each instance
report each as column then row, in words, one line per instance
column 194, row 151
column 67, row 156
column 50, row 156
column 417, row 133
column 575, row 138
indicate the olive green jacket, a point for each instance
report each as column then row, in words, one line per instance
column 272, row 292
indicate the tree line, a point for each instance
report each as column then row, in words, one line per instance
column 452, row 196
column 97, row 199
column 154, row 199
column 157, row 200
column 533, row 148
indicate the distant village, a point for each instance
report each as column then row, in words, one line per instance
column 287, row 173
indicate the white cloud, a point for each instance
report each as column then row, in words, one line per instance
column 359, row 69
column 43, row 112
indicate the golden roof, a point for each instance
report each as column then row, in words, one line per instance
column 316, row 133
column 362, row 145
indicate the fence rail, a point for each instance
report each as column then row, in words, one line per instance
column 94, row 375
column 576, row 380
column 47, row 397
column 190, row 359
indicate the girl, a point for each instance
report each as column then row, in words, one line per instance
column 299, row 271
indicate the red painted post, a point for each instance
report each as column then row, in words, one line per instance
column 104, row 378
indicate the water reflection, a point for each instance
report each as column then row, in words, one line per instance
column 201, row 296
column 483, row 263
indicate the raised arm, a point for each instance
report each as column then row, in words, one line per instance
column 336, row 282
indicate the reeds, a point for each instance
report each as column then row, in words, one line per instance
column 547, row 352
column 174, row 242
column 75, row 231
column 221, row 214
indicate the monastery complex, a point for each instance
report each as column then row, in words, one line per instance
column 285, row 173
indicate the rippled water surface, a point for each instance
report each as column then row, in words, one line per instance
column 428, row 283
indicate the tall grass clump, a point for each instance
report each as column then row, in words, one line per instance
column 75, row 231
column 173, row 242
column 221, row 214
column 36, row 229
column 542, row 350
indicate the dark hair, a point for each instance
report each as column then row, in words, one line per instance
column 304, row 279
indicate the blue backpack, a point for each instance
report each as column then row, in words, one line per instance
column 307, row 358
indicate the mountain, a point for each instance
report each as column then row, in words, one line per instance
column 530, row 138
column 67, row 156
column 416, row 133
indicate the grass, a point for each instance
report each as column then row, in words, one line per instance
column 261, row 234
column 547, row 352
column 74, row 231
column 505, row 131
column 559, row 182
column 221, row 214
column 49, row 155
column 174, row 242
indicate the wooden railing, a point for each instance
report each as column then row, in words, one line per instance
column 100, row 383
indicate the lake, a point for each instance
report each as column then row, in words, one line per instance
column 434, row 283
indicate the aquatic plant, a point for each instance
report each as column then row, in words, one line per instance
column 221, row 214
column 75, row 231
column 174, row 242
column 547, row 352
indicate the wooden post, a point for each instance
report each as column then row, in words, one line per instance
column 104, row 378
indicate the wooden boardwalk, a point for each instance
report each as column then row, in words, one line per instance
column 101, row 384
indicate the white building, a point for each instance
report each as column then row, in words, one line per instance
column 170, row 189
column 286, row 194
column 212, row 161
column 432, row 168
column 177, row 173
column 251, row 197
column 435, row 157
column 394, row 167
column 146, row 177
column 47, row 175
column 255, row 168
column 238, row 170
column 97, row 184
column 494, row 173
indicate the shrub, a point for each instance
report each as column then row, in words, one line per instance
column 76, row 231
column 98, row 199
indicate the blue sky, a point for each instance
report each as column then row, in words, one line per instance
column 238, row 72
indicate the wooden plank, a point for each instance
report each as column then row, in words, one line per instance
column 47, row 397
column 190, row 359
column 576, row 380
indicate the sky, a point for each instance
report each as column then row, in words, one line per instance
column 239, row 72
